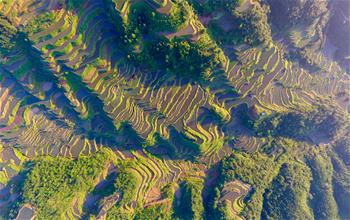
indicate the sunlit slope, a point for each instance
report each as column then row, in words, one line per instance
column 71, row 90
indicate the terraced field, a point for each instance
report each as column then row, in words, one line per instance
column 233, row 193
column 69, row 90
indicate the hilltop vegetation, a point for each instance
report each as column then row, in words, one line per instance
column 180, row 57
column 8, row 35
column 288, row 198
column 52, row 184
column 142, row 32
column 191, row 203
column 174, row 109
column 257, row 170
column 249, row 26
column 302, row 125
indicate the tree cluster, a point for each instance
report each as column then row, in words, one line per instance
column 125, row 184
column 255, row 169
column 255, row 26
column 7, row 35
column 298, row 125
column 250, row 26
column 180, row 56
column 191, row 203
column 143, row 21
column 322, row 201
column 210, row 6
column 288, row 196
column 39, row 24
column 52, row 183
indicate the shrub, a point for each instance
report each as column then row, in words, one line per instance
column 7, row 36
column 40, row 23
column 52, row 183
column 191, row 204
column 288, row 196
column 255, row 169
column 159, row 211
column 126, row 183
column 255, row 26
column 298, row 125
column 180, row 57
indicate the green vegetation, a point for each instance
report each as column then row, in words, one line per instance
column 142, row 32
column 191, row 203
column 227, row 4
column 74, row 4
column 250, row 26
column 323, row 203
column 125, row 184
column 179, row 109
column 342, row 148
column 181, row 57
column 143, row 21
column 223, row 211
column 210, row 6
column 52, row 183
column 255, row 27
column 302, row 125
column 7, row 36
column 42, row 22
column 305, row 22
column 257, row 170
column 162, row 147
column 341, row 176
column 119, row 213
column 154, row 212
column 288, row 196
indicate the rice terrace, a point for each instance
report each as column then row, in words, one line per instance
column 175, row 109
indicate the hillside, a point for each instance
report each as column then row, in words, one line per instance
column 174, row 109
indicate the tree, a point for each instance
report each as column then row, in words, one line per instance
column 52, row 183
column 180, row 56
column 255, row 26
column 7, row 35
column 288, row 196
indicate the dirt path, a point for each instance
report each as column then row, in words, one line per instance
column 248, row 4
column 166, row 9
column 188, row 30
